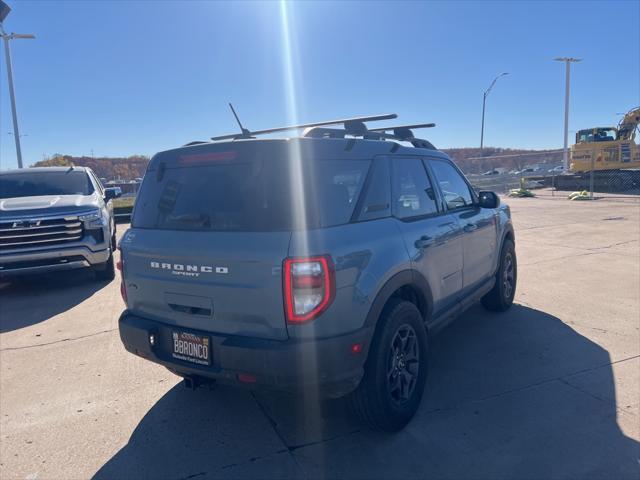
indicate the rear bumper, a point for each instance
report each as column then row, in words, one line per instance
column 50, row 260
column 327, row 366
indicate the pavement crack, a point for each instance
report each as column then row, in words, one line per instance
column 612, row 245
column 270, row 419
column 576, row 247
column 252, row 460
column 193, row 475
column 589, row 394
column 564, row 257
column 324, row 440
column 274, row 426
column 554, row 225
column 57, row 341
column 591, row 369
column 596, row 329
column 560, row 378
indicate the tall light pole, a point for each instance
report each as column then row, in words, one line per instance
column 4, row 11
column 567, row 61
column 484, row 104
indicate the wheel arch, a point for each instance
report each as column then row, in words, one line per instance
column 409, row 285
column 507, row 234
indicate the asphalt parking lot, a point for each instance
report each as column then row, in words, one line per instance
column 550, row 389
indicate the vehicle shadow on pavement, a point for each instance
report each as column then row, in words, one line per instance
column 513, row 395
column 56, row 293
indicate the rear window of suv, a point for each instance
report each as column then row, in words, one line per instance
column 259, row 194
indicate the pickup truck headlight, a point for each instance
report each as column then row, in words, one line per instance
column 93, row 219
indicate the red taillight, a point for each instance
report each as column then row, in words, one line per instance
column 307, row 282
column 308, row 287
column 123, row 292
column 120, row 266
column 196, row 158
column 247, row 378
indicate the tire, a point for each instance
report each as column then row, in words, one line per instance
column 391, row 389
column 500, row 298
column 107, row 270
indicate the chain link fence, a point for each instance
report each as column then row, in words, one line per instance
column 599, row 175
column 123, row 206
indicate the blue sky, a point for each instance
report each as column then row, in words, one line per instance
column 135, row 77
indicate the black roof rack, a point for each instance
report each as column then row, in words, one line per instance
column 355, row 124
column 354, row 127
column 401, row 133
column 403, row 130
column 405, row 133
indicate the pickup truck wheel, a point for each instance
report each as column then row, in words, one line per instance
column 107, row 270
column 391, row 389
column 500, row 298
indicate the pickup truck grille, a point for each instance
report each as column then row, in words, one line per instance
column 39, row 232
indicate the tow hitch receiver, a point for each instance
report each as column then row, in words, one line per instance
column 193, row 383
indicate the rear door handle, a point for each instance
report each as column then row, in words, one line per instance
column 470, row 227
column 424, row 241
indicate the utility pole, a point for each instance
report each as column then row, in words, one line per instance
column 567, row 61
column 4, row 11
column 484, row 104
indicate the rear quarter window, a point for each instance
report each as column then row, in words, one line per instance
column 377, row 198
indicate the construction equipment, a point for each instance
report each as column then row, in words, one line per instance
column 606, row 157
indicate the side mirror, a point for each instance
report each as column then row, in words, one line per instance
column 489, row 200
column 112, row 192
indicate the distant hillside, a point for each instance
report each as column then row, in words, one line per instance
column 470, row 160
column 111, row 168
column 474, row 160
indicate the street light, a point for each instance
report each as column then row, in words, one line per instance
column 484, row 102
column 567, row 61
column 4, row 11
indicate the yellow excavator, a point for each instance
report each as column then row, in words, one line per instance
column 610, row 152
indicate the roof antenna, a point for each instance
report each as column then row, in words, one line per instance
column 245, row 133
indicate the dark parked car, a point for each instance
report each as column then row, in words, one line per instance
column 321, row 264
column 56, row 218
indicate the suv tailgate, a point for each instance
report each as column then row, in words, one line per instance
column 220, row 282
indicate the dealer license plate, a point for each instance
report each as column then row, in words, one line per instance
column 192, row 348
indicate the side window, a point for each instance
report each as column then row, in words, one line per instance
column 97, row 183
column 377, row 202
column 454, row 189
column 336, row 187
column 412, row 192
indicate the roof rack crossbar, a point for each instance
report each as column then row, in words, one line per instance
column 377, row 134
column 404, row 132
column 355, row 124
column 415, row 126
column 322, row 132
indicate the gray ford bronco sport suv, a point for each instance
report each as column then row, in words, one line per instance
column 320, row 263
column 56, row 218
